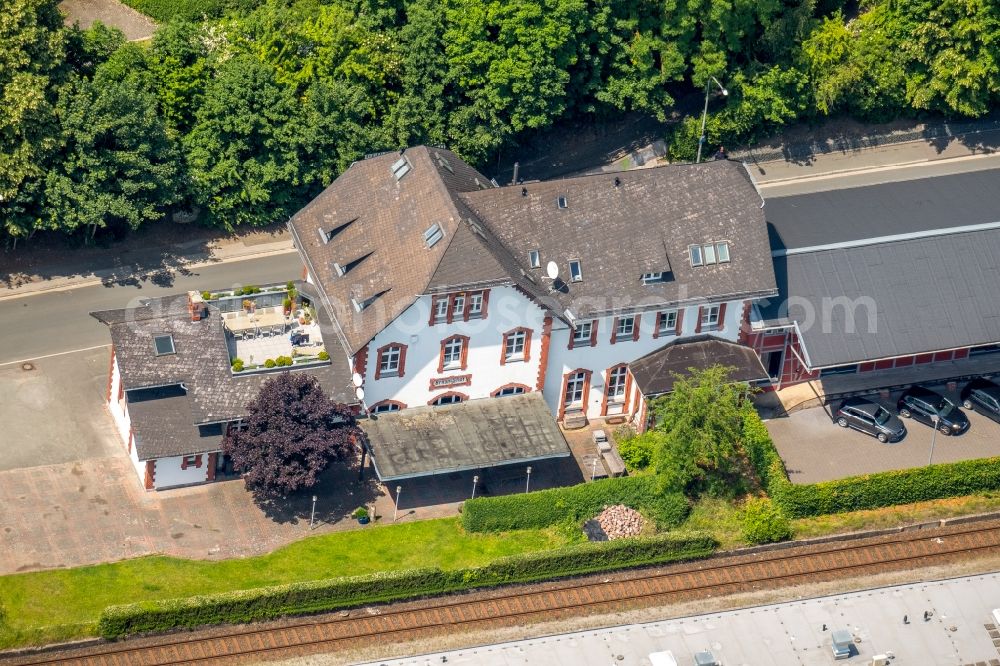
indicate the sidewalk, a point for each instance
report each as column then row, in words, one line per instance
column 142, row 257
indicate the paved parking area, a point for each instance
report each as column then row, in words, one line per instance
column 54, row 412
column 815, row 449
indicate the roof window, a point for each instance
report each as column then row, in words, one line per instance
column 534, row 259
column 695, row 252
column 360, row 305
column 575, row 271
column 400, row 168
column 561, row 201
column 722, row 250
column 652, row 278
column 433, row 234
column 163, row 345
column 327, row 236
column 708, row 253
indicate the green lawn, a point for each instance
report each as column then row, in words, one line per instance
column 55, row 605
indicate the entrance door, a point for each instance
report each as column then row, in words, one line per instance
column 574, row 390
column 774, row 362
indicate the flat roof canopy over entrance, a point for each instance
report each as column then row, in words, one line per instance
column 489, row 432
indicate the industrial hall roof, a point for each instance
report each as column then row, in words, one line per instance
column 399, row 225
column 656, row 372
column 888, row 270
column 424, row 441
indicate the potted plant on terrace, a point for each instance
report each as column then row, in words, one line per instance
column 361, row 515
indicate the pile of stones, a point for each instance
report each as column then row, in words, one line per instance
column 615, row 522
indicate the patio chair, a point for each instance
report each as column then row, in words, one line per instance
column 250, row 334
column 277, row 329
column 238, row 334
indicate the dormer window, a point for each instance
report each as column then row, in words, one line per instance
column 323, row 235
column 360, row 305
column 575, row 272
column 562, row 203
column 443, row 161
column 339, row 270
column 163, row 345
column 534, row 259
column 433, row 234
column 652, row 278
column 400, row 168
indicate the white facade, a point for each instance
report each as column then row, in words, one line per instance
column 485, row 369
column 402, row 366
column 599, row 359
column 172, row 471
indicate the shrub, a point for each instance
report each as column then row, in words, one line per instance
column 575, row 503
column 237, row 365
column 324, row 595
column 270, row 363
column 323, row 356
column 206, row 295
column 872, row 491
column 763, row 522
column 637, row 450
column 760, row 451
column 283, row 361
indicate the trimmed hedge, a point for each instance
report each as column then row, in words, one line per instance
column 325, row 595
column 869, row 491
column 872, row 491
column 575, row 503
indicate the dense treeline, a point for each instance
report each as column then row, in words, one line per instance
column 239, row 118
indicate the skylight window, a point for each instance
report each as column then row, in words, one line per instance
column 575, row 272
column 400, row 168
column 723, row 251
column 708, row 253
column 164, row 344
column 433, row 235
column 695, row 251
column 562, row 202
column 534, row 259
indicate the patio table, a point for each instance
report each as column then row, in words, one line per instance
column 259, row 320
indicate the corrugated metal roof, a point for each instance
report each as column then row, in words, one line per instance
column 892, row 299
column 886, row 209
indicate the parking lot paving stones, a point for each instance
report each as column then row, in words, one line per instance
column 815, row 449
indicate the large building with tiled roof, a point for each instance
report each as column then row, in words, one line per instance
column 447, row 288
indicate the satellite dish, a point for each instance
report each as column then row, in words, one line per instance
column 552, row 270
column 357, row 380
column 360, row 393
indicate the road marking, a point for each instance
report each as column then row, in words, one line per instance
column 791, row 180
column 62, row 353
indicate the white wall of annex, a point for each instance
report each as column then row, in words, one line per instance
column 169, row 472
column 507, row 309
column 604, row 355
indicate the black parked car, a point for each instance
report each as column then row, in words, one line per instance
column 871, row 418
column 983, row 396
column 923, row 404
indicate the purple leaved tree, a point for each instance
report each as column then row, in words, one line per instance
column 293, row 432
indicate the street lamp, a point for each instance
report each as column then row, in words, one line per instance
column 395, row 507
column 527, row 484
column 312, row 516
column 934, row 419
column 475, row 480
column 704, row 113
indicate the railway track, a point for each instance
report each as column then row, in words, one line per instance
column 519, row 605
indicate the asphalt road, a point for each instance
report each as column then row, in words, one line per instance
column 59, row 321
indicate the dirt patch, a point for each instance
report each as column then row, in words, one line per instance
column 112, row 13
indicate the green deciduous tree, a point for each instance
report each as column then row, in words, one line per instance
column 699, row 426
column 116, row 165
column 32, row 44
column 244, row 151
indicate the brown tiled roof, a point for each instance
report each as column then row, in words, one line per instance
column 644, row 224
column 201, row 364
column 656, row 372
column 388, row 219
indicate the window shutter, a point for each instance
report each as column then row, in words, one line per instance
column 486, row 301
column 656, row 325
column 680, row 321
column 635, row 328
column 503, row 348
column 527, row 344
column 614, row 330
column 697, row 324
column 441, row 356
column 402, row 359
column 722, row 317
column 593, row 334
column 465, row 352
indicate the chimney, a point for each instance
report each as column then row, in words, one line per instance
column 517, row 168
column 196, row 306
